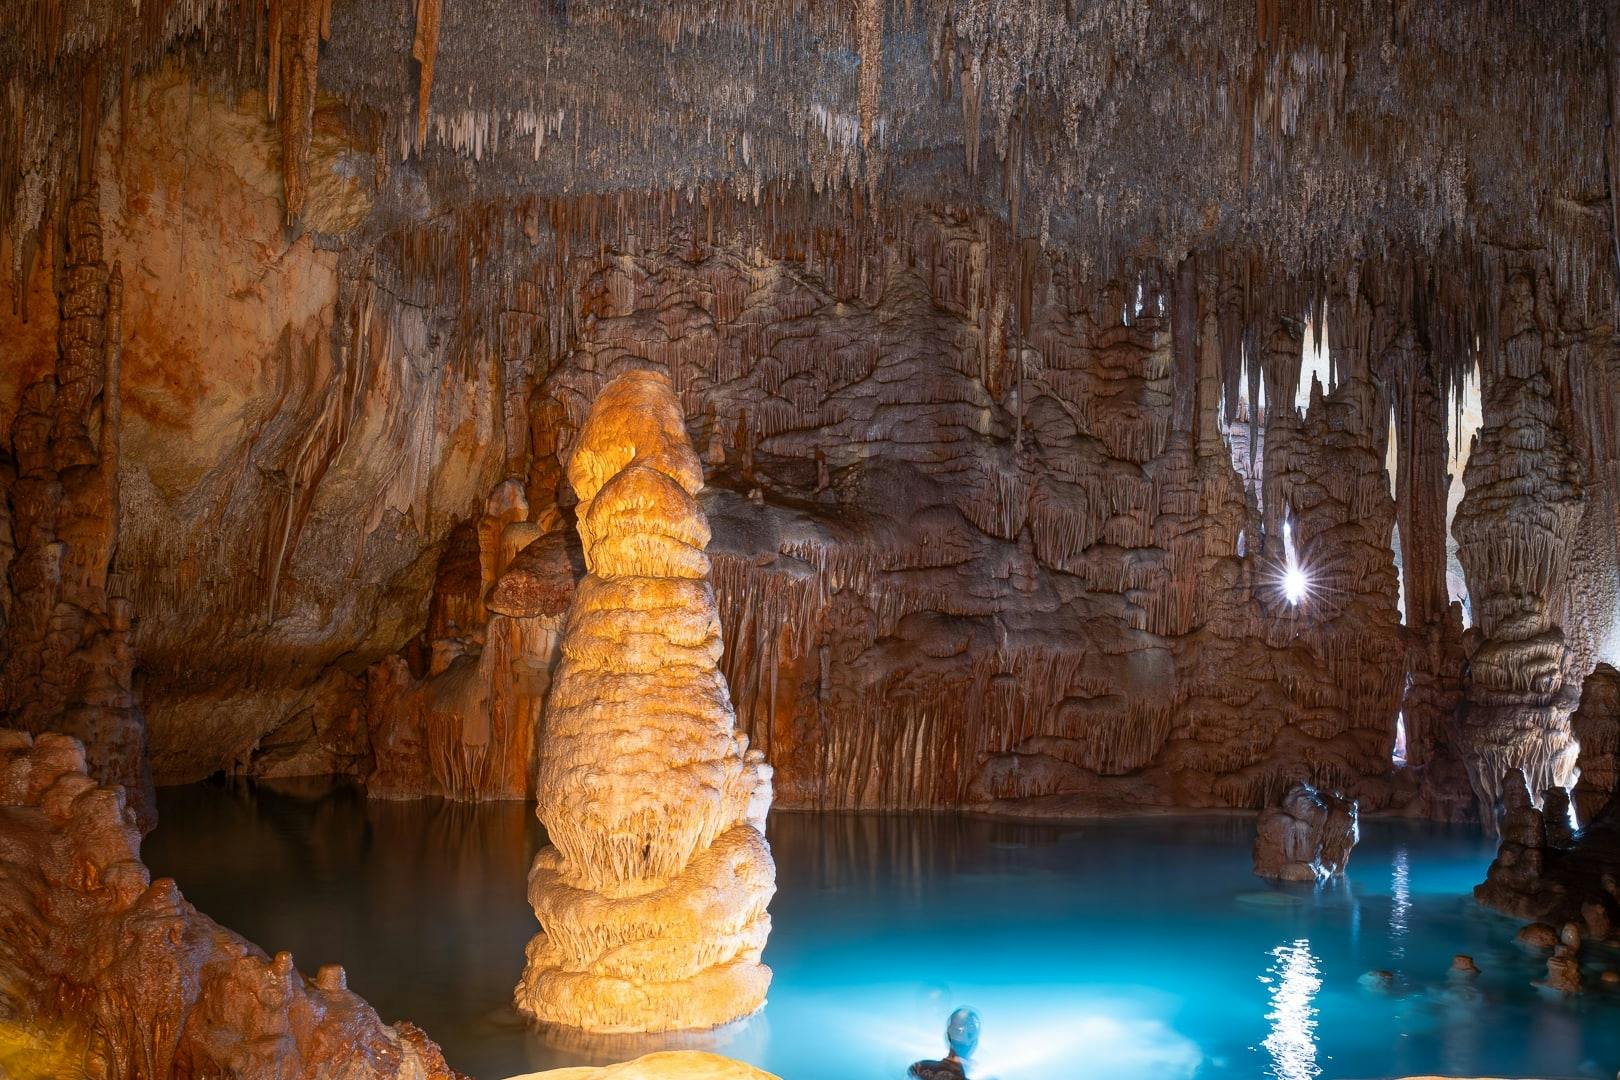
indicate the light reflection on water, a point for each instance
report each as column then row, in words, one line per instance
column 1400, row 902
column 1293, row 982
column 1122, row 949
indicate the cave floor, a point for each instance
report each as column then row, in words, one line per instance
column 1138, row 948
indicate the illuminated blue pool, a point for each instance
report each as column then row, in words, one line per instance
column 1140, row 948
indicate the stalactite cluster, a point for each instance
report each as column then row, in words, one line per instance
column 1006, row 432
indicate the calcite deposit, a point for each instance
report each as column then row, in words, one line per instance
column 1596, row 727
column 1308, row 836
column 67, row 656
column 1544, row 872
column 117, row 974
column 652, row 895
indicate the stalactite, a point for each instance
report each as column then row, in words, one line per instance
column 424, row 49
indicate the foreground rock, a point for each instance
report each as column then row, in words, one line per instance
column 676, row 1065
column 1307, row 837
column 118, row 973
column 1573, row 882
column 652, row 898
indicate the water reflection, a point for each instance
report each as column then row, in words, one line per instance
column 1293, row 979
column 1400, row 903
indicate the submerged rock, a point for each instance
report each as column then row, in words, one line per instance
column 1307, row 837
column 1378, row 981
column 1537, row 936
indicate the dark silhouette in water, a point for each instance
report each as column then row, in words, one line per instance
column 962, row 1036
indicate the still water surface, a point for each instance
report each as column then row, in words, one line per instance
column 1139, row 949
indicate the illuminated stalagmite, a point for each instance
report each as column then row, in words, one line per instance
column 652, row 898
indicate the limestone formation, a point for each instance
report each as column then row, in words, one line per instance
column 1569, row 885
column 66, row 649
column 123, row 978
column 671, row 1065
column 1307, row 837
column 1596, row 727
column 1009, row 427
column 652, row 895
column 464, row 723
column 1515, row 531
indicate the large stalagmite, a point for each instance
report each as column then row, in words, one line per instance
column 652, row 896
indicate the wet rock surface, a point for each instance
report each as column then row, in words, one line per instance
column 1308, row 836
column 118, row 969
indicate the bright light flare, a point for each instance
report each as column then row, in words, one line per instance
column 1295, row 585
column 1295, row 582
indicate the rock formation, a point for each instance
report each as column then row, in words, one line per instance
column 119, row 975
column 1515, row 531
column 652, row 895
column 464, row 723
column 673, row 1065
column 1534, row 878
column 1306, row 837
column 66, row 643
column 1009, row 428
column 1596, row 727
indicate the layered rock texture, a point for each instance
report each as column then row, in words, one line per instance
column 1013, row 436
column 113, row 975
column 1307, row 837
column 66, row 642
column 652, row 895
column 1515, row 532
column 1596, row 727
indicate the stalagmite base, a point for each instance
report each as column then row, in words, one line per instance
column 652, row 896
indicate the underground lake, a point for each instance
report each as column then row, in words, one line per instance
column 1113, row 948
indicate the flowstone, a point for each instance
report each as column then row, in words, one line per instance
column 653, row 892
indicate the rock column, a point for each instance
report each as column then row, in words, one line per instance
column 1515, row 529
column 69, row 648
column 652, row 896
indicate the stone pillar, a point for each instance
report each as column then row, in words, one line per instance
column 1515, row 530
column 652, row 896
column 68, row 650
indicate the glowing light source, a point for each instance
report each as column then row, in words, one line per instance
column 1296, row 584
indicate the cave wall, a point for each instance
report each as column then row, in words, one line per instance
column 1000, row 429
column 299, row 437
column 1011, row 568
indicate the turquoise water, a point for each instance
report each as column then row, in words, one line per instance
column 1113, row 949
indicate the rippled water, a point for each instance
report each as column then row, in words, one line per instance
column 1129, row 949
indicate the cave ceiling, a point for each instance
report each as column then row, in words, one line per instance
column 1306, row 138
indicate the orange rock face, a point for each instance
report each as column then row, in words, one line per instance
column 68, row 657
column 97, row 957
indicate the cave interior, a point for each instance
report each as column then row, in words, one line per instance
column 665, row 479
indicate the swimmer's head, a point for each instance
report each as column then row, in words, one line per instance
column 962, row 1032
